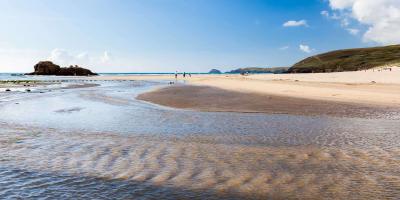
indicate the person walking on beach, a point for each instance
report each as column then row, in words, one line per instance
column 184, row 74
column 176, row 74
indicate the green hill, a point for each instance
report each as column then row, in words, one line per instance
column 348, row 60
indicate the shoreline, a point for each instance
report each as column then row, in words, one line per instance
column 363, row 88
column 104, row 134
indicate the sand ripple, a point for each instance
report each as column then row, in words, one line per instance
column 38, row 163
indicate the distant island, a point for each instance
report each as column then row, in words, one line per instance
column 215, row 71
column 348, row 60
column 49, row 68
column 259, row 70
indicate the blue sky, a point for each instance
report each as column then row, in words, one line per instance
column 169, row 35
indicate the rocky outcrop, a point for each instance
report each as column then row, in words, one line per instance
column 75, row 71
column 46, row 68
column 49, row 68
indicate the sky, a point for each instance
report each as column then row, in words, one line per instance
column 187, row 35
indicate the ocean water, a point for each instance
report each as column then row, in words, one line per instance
column 97, row 141
column 10, row 76
column 21, row 76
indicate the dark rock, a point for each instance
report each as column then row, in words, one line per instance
column 46, row 68
column 215, row 71
column 49, row 68
column 75, row 71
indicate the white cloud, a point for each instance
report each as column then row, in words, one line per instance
column 305, row 48
column 329, row 15
column 106, row 57
column 65, row 58
column 83, row 57
column 10, row 59
column 382, row 18
column 284, row 48
column 341, row 4
column 61, row 57
column 325, row 13
column 293, row 23
column 353, row 31
column 345, row 22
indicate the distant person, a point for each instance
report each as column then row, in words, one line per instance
column 184, row 74
column 176, row 75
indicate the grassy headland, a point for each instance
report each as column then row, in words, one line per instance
column 349, row 60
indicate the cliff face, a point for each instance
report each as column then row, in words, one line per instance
column 49, row 68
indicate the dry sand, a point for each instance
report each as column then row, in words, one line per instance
column 377, row 88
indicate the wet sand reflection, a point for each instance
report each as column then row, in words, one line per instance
column 101, row 143
column 186, row 169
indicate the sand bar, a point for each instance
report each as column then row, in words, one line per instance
column 213, row 99
column 377, row 88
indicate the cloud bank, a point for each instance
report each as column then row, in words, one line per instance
column 65, row 58
column 381, row 17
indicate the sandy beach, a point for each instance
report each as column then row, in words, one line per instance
column 319, row 93
column 200, row 100
column 97, row 137
column 213, row 99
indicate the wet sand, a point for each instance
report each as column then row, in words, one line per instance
column 213, row 99
column 41, row 163
column 101, row 143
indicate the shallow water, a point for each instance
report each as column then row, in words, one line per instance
column 100, row 142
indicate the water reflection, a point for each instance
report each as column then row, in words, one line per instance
column 101, row 143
